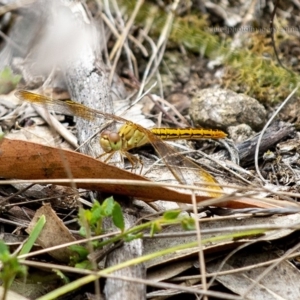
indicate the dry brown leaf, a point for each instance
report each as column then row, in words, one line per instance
column 214, row 224
column 280, row 283
column 54, row 233
column 27, row 160
column 169, row 271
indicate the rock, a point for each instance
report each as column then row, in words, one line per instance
column 220, row 108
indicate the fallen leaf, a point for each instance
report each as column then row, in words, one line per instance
column 279, row 283
column 54, row 233
column 28, row 161
column 215, row 224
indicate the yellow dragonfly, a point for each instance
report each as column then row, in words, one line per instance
column 132, row 135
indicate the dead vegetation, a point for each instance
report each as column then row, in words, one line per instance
column 225, row 230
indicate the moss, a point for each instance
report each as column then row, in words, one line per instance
column 251, row 69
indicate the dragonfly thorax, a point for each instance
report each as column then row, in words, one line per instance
column 132, row 136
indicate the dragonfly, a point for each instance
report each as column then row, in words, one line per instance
column 132, row 135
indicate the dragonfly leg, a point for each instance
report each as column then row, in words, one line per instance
column 109, row 155
column 133, row 160
column 103, row 154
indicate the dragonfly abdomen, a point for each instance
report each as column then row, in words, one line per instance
column 188, row 133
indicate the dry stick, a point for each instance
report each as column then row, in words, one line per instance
column 265, row 128
column 225, row 230
column 120, row 42
column 138, row 99
column 165, row 286
column 164, row 111
column 248, row 17
column 65, row 245
column 46, row 199
column 160, row 46
column 107, row 11
column 8, row 40
column 70, row 270
column 130, row 56
column 223, row 166
column 156, row 60
column 56, row 126
column 239, row 189
column 200, row 252
column 163, row 38
column 153, row 46
column 274, row 133
column 117, row 35
column 171, row 286
column 185, row 234
column 172, row 107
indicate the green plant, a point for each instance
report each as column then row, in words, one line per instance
column 8, row 81
column 10, row 268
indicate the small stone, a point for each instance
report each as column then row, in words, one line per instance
column 221, row 108
column 240, row 133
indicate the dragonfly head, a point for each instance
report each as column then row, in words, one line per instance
column 110, row 141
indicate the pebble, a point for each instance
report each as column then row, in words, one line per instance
column 221, row 108
column 240, row 133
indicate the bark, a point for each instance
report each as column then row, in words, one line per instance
column 277, row 132
column 87, row 80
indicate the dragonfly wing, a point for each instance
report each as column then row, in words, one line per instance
column 179, row 164
column 68, row 107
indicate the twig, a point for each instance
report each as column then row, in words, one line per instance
column 200, row 252
column 163, row 38
column 264, row 129
column 121, row 41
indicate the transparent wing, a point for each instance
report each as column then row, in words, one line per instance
column 68, row 107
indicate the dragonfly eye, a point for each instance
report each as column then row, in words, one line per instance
column 110, row 141
column 105, row 133
column 114, row 137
